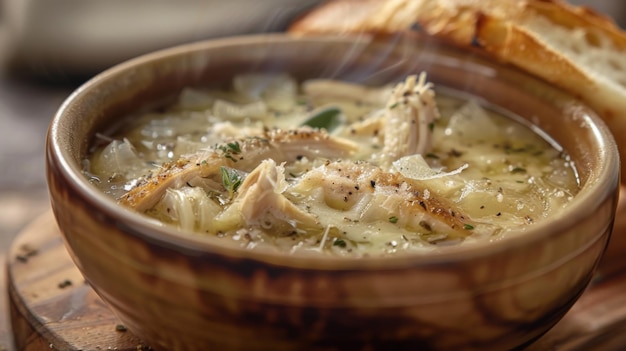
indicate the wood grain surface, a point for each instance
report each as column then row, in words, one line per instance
column 52, row 307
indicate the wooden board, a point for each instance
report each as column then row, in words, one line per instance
column 53, row 308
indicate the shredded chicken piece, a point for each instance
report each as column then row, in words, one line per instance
column 244, row 155
column 411, row 112
column 367, row 194
column 260, row 203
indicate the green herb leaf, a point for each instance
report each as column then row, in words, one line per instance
column 234, row 147
column 230, row 149
column 230, row 179
column 393, row 219
column 468, row 227
column 340, row 243
column 327, row 118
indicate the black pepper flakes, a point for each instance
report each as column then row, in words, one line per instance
column 455, row 153
column 64, row 284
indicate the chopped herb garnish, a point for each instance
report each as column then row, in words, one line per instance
column 230, row 179
column 393, row 219
column 234, row 147
column 328, row 118
column 392, row 106
column 431, row 155
column 518, row 170
column 230, row 149
column 431, row 126
column 468, row 227
column 340, row 243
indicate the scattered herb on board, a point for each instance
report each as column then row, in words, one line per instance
column 64, row 284
column 26, row 253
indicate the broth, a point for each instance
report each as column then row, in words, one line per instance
column 334, row 167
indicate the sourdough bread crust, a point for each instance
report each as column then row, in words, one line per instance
column 573, row 47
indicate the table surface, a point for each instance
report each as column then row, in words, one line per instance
column 26, row 107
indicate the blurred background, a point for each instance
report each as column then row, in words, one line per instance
column 49, row 47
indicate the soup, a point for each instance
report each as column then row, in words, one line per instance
column 334, row 167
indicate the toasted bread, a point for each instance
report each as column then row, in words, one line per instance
column 573, row 47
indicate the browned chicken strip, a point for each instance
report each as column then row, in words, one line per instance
column 243, row 155
column 367, row 194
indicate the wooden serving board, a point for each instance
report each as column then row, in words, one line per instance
column 51, row 305
column 53, row 308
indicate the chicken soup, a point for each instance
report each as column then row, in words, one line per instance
column 334, row 167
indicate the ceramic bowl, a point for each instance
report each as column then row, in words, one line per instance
column 184, row 292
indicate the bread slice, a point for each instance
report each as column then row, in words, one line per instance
column 573, row 47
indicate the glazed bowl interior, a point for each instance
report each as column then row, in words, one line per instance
column 153, row 80
column 198, row 292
